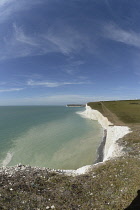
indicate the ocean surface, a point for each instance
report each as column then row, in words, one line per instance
column 47, row 136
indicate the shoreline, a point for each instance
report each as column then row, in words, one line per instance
column 113, row 133
column 100, row 150
column 107, row 149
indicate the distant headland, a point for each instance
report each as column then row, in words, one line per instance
column 75, row 105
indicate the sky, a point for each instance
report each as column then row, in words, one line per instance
column 55, row 52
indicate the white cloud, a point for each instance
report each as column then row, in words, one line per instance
column 63, row 40
column 53, row 84
column 10, row 7
column 66, row 38
column 60, row 37
column 10, row 90
column 21, row 37
column 115, row 33
column 19, row 44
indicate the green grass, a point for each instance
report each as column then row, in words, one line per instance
column 96, row 105
column 127, row 111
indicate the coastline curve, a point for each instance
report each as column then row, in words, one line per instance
column 110, row 148
column 113, row 133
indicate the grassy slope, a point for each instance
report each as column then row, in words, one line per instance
column 127, row 111
column 111, row 185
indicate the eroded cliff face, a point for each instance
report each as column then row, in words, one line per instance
column 96, row 115
column 111, row 149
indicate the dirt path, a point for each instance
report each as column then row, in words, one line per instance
column 111, row 116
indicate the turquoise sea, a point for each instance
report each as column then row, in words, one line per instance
column 47, row 136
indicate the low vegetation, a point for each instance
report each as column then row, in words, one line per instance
column 127, row 111
column 109, row 185
column 112, row 185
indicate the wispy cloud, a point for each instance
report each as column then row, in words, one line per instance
column 10, row 90
column 22, row 38
column 57, row 38
column 10, row 7
column 66, row 38
column 118, row 34
column 65, row 41
column 53, row 84
column 5, row 2
column 73, row 66
column 61, row 36
column 19, row 44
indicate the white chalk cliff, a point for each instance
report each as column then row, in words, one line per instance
column 112, row 149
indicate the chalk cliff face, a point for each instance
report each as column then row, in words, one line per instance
column 112, row 149
column 96, row 115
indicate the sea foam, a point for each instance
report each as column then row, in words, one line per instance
column 7, row 159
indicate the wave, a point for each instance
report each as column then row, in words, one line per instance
column 7, row 159
column 82, row 114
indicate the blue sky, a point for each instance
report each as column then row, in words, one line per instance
column 55, row 52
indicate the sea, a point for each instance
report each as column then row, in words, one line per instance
column 55, row 137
